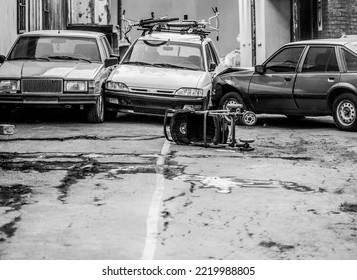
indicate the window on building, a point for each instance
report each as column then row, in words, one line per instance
column 21, row 16
column 285, row 61
column 45, row 15
column 320, row 59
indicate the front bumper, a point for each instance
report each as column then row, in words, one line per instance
column 19, row 99
column 147, row 103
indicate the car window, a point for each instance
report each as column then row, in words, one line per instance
column 209, row 56
column 107, row 44
column 166, row 54
column 320, row 59
column 351, row 61
column 31, row 47
column 105, row 47
column 213, row 53
column 284, row 61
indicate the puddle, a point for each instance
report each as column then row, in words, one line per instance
column 225, row 185
column 281, row 247
column 14, row 196
column 348, row 207
column 9, row 229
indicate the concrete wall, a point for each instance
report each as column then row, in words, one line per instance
column 8, row 21
column 195, row 9
column 89, row 11
column 272, row 28
column 245, row 32
column 277, row 20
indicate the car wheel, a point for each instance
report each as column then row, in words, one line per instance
column 110, row 115
column 232, row 98
column 344, row 112
column 249, row 118
column 178, row 128
column 95, row 113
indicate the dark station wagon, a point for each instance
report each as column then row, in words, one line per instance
column 306, row 78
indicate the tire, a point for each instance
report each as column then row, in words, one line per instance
column 178, row 128
column 110, row 115
column 249, row 118
column 232, row 98
column 344, row 112
column 95, row 113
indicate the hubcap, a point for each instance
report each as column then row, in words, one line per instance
column 346, row 113
column 100, row 108
column 231, row 101
column 249, row 118
column 183, row 128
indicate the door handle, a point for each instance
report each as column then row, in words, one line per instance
column 287, row 79
column 331, row 79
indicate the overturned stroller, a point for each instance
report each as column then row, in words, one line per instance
column 213, row 128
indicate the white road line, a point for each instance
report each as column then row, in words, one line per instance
column 152, row 222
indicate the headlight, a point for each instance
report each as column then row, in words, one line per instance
column 76, row 86
column 189, row 92
column 12, row 86
column 117, row 86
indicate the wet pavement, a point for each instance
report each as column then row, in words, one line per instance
column 119, row 190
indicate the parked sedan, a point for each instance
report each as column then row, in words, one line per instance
column 306, row 78
column 57, row 68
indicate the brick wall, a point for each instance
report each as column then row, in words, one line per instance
column 339, row 17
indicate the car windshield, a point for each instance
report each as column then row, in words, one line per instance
column 56, row 48
column 165, row 54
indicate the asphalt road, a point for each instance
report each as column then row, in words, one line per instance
column 119, row 190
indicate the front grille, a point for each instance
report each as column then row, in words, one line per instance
column 42, row 85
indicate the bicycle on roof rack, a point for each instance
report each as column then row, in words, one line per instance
column 173, row 25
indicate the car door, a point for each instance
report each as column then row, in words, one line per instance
column 272, row 92
column 319, row 73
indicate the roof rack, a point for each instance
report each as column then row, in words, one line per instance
column 173, row 25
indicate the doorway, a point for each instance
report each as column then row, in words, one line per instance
column 304, row 19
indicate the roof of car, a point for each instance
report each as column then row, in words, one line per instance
column 74, row 33
column 339, row 41
column 176, row 37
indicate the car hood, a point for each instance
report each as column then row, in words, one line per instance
column 237, row 71
column 154, row 77
column 48, row 69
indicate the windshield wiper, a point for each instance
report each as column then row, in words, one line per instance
column 66, row 57
column 174, row 66
column 137, row 63
column 30, row 58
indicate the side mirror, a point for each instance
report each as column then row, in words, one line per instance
column 111, row 62
column 212, row 66
column 260, row 69
column 2, row 59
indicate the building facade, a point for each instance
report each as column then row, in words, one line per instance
column 267, row 24
column 19, row 16
column 194, row 9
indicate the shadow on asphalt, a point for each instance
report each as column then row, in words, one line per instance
column 276, row 121
column 57, row 115
column 45, row 115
